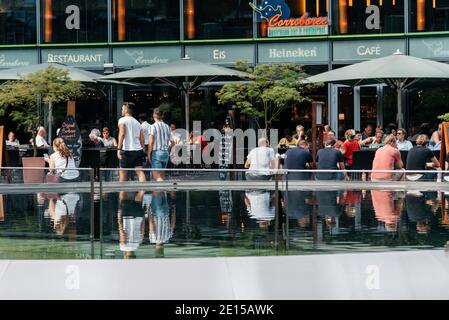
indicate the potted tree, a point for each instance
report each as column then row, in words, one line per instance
column 20, row 98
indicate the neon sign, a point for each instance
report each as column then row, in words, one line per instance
column 277, row 14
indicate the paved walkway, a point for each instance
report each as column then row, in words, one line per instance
column 393, row 275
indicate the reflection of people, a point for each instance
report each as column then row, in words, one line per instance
column 131, row 222
column 386, row 209
column 329, row 204
column 62, row 162
column 419, row 211
column 161, row 223
column 62, row 210
column 12, row 141
column 299, row 207
column 260, row 206
column 259, row 161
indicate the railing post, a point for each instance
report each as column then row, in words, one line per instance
column 101, row 213
column 286, row 211
column 276, row 226
column 92, row 206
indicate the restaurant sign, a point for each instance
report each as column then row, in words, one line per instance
column 71, row 135
column 277, row 14
column 77, row 57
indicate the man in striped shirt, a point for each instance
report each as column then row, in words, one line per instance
column 159, row 145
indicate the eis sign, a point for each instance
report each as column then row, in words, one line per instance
column 277, row 14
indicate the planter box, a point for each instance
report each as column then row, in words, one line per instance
column 33, row 175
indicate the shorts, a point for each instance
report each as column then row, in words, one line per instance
column 257, row 177
column 132, row 159
column 159, row 159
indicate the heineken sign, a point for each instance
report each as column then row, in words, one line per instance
column 277, row 14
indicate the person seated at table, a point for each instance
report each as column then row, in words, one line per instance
column 348, row 147
column 387, row 157
column 377, row 140
column 174, row 135
column 260, row 160
column 61, row 161
column 435, row 139
column 392, row 129
column 330, row 158
column 420, row 158
column 331, row 136
column 300, row 133
column 288, row 141
column 402, row 143
column 12, row 141
column 107, row 140
column 94, row 139
column 40, row 138
column 368, row 132
column 299, row 159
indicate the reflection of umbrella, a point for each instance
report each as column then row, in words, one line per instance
column 74, row 74
column 397, row 70
column 186, row 75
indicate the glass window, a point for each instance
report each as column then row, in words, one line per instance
column 429, row 15
column 211, row 19
column 145, row 20
column 17, row 22
column 290, row 9
column 368, row 17
column 74, row 21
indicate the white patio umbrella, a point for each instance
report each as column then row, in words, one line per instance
column 399, row 71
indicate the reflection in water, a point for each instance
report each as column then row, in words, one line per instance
column 420, row 209
column 387, row 206
column 62, row 210
column 161, row 225
column 134, row 209
column 299, row 206
column 220, row 223
column 131, row 222
column 260, row 206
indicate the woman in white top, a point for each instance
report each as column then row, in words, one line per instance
column 62, row 162
column 108, row 141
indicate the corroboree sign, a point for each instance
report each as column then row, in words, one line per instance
column 277, row 14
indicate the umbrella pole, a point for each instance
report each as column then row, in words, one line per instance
column 186, row 106
column 400, row 116
column 50, row 121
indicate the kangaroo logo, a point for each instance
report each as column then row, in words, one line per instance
column 267, row 9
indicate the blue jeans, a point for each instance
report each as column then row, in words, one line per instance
column 159, row 159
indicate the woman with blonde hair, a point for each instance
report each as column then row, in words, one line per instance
column 348, row 147
column 61, row 162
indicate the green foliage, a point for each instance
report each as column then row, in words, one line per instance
column 444, row 117
column 19, row 98
column 272, row 89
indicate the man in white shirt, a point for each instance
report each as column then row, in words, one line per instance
column 402, row 143
column 260, row 160
column 130, row 143
column 40, row 138
column 145, row 127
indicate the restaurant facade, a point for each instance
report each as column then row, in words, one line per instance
column 107, row 36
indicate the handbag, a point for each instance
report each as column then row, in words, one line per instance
column 55, row 177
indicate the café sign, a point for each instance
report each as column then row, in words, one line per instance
column 277, row 14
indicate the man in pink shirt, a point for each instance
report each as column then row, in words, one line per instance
column 387, row 157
